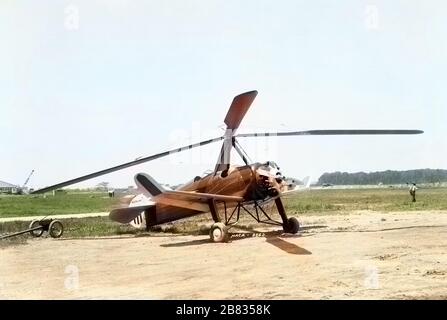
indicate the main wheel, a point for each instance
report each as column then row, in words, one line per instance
column 219, row 233
column 292, row 226
column 56, row 229
column 35, row 233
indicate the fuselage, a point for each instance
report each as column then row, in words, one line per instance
column 255, row 182
column 251, row 182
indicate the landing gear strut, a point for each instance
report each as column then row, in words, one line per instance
column 289, row 225
column 219, row 230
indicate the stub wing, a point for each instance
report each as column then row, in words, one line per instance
column 202, row 197
column 181, row 199
column 193, row 200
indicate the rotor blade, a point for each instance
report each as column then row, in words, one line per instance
column 239, row 108
column 329, row 133
column 125, row 165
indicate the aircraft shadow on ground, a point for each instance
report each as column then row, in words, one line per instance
column 275, row 238
column 123, row 236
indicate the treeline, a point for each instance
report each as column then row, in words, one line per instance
column 384, row 177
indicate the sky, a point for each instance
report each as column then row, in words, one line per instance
column 85, row 85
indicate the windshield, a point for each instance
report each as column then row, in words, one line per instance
column 271, row 164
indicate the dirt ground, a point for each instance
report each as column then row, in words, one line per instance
column 364, row 255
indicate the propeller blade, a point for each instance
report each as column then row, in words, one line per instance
column 239, row 108
column 329, row 133
column 125, row 165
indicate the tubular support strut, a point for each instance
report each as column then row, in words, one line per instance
column 258, row 213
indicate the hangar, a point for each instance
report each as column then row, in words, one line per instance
column 6, row 187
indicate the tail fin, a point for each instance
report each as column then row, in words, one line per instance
column 148, row 185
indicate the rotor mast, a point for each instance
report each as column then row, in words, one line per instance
column 238, row 109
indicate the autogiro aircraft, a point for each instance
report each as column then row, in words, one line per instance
column 225, row 192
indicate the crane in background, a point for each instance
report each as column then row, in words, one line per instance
column 24, row 189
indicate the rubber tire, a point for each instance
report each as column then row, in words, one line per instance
column 35, row 233
column 52, row 231
column 293, row 226
column 219, row 233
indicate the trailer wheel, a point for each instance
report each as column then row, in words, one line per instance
column 56, row 229
column 35, row 233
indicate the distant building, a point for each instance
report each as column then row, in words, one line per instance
column 6, row 187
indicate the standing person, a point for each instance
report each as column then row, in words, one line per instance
column 413, row 189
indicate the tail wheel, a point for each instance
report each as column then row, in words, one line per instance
column 292, row 226
column 56, row 229
column 35, row 233
column 219, row 233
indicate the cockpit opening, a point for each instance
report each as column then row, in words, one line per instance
column 205, row 174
